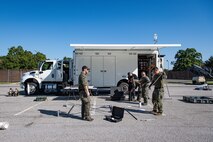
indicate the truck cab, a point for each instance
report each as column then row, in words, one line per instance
column 52, row 75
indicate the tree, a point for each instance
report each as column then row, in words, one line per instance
column 38, row 57
column 187, row 58
column 12, row 60
column 18, row 58
column 67, row 58
column 209, row 62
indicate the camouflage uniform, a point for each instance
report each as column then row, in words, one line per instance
column 85, row 108
column 131, row 88
column 158, row 92
column 144, row 90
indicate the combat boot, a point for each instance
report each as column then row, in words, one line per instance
column 89, row 119
column 159, row 114
column 154, row 112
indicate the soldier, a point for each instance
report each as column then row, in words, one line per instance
column 131, row 87
column 11, row 92
column 158, row 92
column 144, row 84
column 16, row 92
column 84, row 94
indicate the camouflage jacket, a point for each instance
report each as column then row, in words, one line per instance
column 158, row 80
column 82, row 82
column 144, row 82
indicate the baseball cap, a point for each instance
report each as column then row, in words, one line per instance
column 85, row 67
column 156, row 68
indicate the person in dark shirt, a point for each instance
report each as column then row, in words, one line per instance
column 131, row 88
column 84, row 94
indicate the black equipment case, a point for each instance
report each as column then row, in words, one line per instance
column 117, row 114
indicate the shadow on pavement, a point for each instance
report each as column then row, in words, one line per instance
column 58, row 114
column 66, row 98
column 138, row 111
column 49, row 112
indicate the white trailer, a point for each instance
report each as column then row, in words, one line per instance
column 110, row 63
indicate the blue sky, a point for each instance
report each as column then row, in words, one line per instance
column 49, row 26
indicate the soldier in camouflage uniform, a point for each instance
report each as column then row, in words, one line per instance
column 158, row 92
column 84, row 94
column 144, row 84
column 131, row 87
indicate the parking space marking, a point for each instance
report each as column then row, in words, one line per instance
column 27, row 109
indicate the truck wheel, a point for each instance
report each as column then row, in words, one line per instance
column 194, row 82
column 32, row 89
column 124, row 87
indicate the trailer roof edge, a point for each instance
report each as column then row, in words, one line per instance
column 123, row 46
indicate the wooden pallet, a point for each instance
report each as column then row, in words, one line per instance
column 40, row 98
column 196, row 99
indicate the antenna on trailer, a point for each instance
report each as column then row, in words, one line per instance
column 155, row 41
column 155, row 38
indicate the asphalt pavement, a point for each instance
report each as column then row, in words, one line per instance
column 49, row 120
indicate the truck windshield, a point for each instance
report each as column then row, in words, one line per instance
column 47, row 66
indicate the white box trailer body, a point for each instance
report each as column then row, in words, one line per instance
column 110, row 63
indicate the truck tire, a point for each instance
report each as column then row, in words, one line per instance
column 124, row 87
column 33, row 88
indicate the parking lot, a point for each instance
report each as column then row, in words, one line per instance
column 39, row 121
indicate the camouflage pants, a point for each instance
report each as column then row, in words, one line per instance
column 157, row 97
column 132, row 95
column 143, row 93
column 85, row 107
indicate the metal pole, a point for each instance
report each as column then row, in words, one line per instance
column 8, row 77
column 155, row 40
column 168, row 64
column 20, row 74
column 165, row 79
column 131, row 114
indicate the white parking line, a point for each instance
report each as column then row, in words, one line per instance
column 27, row 109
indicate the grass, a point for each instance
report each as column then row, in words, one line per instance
column 210, row 82
column 9, row 82
column 187, row 82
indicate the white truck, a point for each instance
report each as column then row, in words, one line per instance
column 108, row 63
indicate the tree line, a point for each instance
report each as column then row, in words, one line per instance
column 189, row 57
column 18, row 58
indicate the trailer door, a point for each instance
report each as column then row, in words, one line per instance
column 103, row 71
column 109, row 71
column 97, row 71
